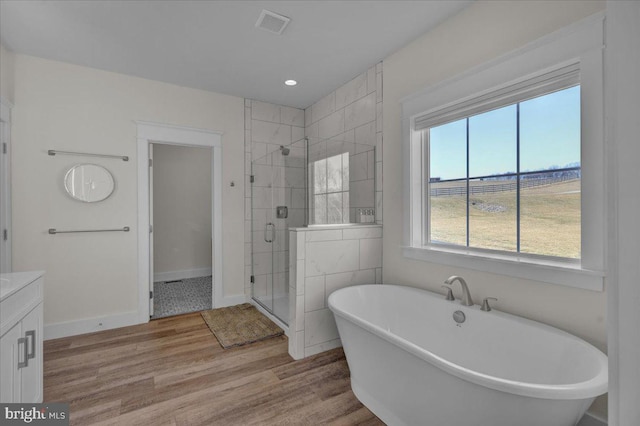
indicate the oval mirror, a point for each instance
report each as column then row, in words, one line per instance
column 89, row 183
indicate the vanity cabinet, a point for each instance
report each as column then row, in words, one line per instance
column 21, row 327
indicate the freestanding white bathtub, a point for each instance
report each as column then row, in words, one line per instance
column 412, row 364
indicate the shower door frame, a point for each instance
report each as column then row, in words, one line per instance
column 256, row 300
column 271, row 310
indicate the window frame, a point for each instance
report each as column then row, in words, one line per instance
column 580, row 44
column 516, row 176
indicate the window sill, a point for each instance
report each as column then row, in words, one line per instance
column 533, row 269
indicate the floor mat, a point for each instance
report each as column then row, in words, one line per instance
column 239, row 325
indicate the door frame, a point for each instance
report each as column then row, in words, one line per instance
column 158, row 133
column 152, row 276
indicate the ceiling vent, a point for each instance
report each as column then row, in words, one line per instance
column 272, row 22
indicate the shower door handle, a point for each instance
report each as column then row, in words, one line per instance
column 273, row 232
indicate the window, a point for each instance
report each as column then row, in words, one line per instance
column 503, row 164
column 508, row 179
column 330, row 184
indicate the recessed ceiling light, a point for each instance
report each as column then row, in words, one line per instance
column 290, row 82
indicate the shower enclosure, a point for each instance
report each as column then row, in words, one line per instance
column 310, row 182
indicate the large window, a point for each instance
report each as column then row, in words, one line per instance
column 508, row 179
column 503, row 165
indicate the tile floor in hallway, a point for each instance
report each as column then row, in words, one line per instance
column 181, row 297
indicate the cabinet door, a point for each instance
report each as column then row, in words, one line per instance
column 32, row 374
column 11, row 353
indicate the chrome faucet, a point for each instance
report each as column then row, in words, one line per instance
column 466, row 296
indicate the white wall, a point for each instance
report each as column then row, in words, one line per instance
column 622, row 64
column 181, row 209
column 479, row 33
column 68, row 107
column 7, row 59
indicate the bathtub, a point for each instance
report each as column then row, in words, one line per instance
column 412, row 364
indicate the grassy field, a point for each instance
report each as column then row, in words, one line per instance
column 549, row 221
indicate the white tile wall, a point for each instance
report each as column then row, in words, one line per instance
column 292, row 116
column 271, row 133
column 331, row 257
column 353, row 113
column 267, row 126
column 320, row 261
column 362, row 193
column 371, row 80
column 314, row 297
column 370, row 253
column 312, row 130
column 326, row 260
column 360, row 112
column 331, row 125
column 358, row 167
column 335, row 282
column 366, row 134
column 328, row 235
column 297, row 133
column 361, row 233
column 323, row 107
column 351, row 91
column 319, row 327
column 322, row 347
column 265, row 112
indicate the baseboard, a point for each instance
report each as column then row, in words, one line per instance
column 322, row 347
column 591, row 420
column 89, row 325
column 181, row 275
column 232, row 300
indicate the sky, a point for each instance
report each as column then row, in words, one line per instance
column 549, row 136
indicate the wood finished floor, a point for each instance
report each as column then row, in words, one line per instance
column 172, row 371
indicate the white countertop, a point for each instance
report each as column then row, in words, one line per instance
column 14, row 281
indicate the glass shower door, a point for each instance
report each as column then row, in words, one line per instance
column 281, row 205
column 263, row 232
column 278, row 202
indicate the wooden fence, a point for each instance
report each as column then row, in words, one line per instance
column 485, row 188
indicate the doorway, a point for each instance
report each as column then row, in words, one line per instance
column 151, row 135
column 180, row 213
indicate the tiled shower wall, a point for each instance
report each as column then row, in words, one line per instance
column 322, row 261
column 279, row 180
column 353, row 113
column 341, row 160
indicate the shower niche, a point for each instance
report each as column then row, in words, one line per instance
column 312, row 182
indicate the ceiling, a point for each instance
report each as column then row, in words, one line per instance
column 214, row 45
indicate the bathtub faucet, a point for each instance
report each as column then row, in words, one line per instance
column 466, row 295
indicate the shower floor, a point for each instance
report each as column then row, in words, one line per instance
column 180, row 297
column 279, row 306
